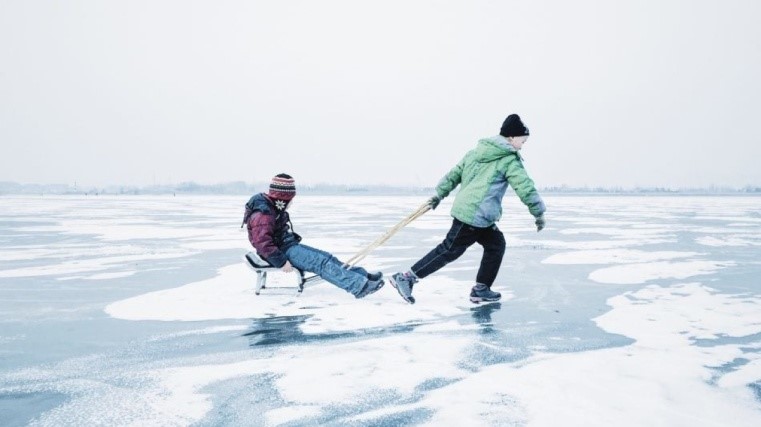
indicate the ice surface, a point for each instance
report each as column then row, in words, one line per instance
column 625, row 311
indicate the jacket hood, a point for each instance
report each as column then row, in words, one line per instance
column 257, row 202
column 491, row 149
column 260, row 202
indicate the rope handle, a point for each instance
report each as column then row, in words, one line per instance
column 425, row 207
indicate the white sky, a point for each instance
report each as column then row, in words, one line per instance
column 615, row 92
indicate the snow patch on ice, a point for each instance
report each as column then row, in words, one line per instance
column 289, row 414
column 309, row 378
column 89, row 265
column 514, row 241
column 619, row 232
column 230, row 295
column 615, row 256
column 729, row 241
column 204, row 331
column 216, row 244
column 631, row 274
column 663, row 372
column 106, row 276
column 350, row 371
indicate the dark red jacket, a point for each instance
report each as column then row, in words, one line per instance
column 269, row 230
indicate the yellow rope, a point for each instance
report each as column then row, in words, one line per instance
column 425, row 207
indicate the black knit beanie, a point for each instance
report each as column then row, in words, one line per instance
column 513, row 126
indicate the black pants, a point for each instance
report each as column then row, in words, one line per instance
column 459, row 238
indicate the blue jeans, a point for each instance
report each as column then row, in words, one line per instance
column 328, row 267
column 460, row 237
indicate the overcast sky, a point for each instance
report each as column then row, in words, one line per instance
column 615, row 93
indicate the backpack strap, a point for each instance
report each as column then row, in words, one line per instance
column 249, row 210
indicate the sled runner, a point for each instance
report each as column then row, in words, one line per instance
column 261, row 267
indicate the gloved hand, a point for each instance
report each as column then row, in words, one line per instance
column 539, row 223
column 434, row 201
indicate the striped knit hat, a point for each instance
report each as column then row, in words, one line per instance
column 282, row 187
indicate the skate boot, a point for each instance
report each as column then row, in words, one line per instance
column 403, row 283
column 482, row 293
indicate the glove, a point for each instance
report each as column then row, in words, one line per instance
column 539, row 223
column 434, row 201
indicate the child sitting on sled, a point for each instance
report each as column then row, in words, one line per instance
column 270, row 232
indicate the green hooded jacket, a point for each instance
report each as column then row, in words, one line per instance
column 484, row 175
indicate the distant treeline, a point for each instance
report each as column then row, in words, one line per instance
column 232, row 188
column 712, row 189
column 240, row 188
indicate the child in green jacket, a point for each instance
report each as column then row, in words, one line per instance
column 483, row 175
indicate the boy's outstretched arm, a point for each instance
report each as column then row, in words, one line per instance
column 524, row 187
column 450, row 181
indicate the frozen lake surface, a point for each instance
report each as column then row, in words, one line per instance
column 626, row 311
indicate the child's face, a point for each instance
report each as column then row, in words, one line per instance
column 517, row 141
